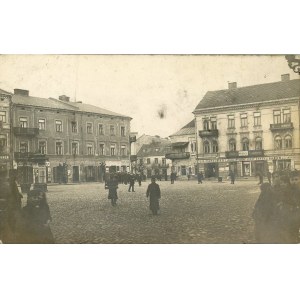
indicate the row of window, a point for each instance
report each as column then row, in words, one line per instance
column 23, row 122
column 278, row 118
column 279, row 143
column 90, row 149
column 163, row 161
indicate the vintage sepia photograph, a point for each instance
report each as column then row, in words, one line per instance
column 150, row 149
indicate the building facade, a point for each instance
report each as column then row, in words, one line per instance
column 6, row 157
column 249, row 129
column 183, row 152
column 152, row 161
column 79, row 141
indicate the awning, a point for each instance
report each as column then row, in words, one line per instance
column 179, row 144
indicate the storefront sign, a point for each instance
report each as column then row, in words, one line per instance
column 244, row 159
column 243, row 153
column 4, row 157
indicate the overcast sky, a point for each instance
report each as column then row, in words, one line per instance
column 159, row 92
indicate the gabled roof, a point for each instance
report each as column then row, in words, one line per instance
column 155, row 149
column 188, row 129
column 251, row 94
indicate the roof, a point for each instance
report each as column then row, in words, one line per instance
column 188, row 129
column 60, row 104
column 251, row 94
column 4, row 92
column 95, row 109
column 150, row 150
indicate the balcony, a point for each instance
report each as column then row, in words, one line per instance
column 209, row 133
column 250, row 153
column 281, row 126
column 20, row 131
column 133, row 158
column 178, row 155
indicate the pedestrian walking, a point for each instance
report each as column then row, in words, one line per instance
column 232, row 177
column 112, row 186
column 200, row 177
column 139, row 179
column 153, row 192
column 172, row 177
column 36, row 219
column 131, row 183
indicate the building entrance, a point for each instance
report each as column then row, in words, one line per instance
column 211, row 170
column 75, row 174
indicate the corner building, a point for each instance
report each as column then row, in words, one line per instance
column 249, row 129
column 82, row 139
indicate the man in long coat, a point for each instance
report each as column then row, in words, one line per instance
column 153, row 191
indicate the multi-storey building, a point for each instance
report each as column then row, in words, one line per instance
column 79, row 137
column 151, row 159
column 5, row 131
column 249, row 129
column 182, row 151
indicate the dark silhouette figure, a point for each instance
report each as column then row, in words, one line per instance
column 112, row 186
column 153, row 191
column 173, row 176
column 131, row 183
column 232, row 176
column 200, row 177
column 36, row 218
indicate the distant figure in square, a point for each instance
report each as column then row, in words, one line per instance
column 131, row 183
column 232, row 176
column 173, row 176
column 112, row 186
column 153, row 191
column 200, row 177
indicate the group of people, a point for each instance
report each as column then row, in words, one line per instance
column 277, row 211
column 23, row 225
column 153, row 190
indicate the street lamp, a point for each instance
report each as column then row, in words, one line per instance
column 294, row 62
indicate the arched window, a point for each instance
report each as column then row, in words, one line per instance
column 245, row 144
column 278, row 142
column 258, row 143
column 288, row 142
column 205, row 125
column 215, row 147
column 232, row 145
column 206, row 147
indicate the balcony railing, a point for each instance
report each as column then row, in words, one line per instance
column 249, row 153
column 281, row 126
column 25, row 131
column 209, row 133
column 179, row 155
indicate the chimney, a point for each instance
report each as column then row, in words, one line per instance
column 21, row 92
column 232, row 85
column 285, row 77
column 64, row 98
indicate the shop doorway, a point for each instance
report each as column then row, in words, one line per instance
column 75, row 174
column 246, row 168
column 211, row 170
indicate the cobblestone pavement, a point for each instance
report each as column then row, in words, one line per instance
column 190, row 213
